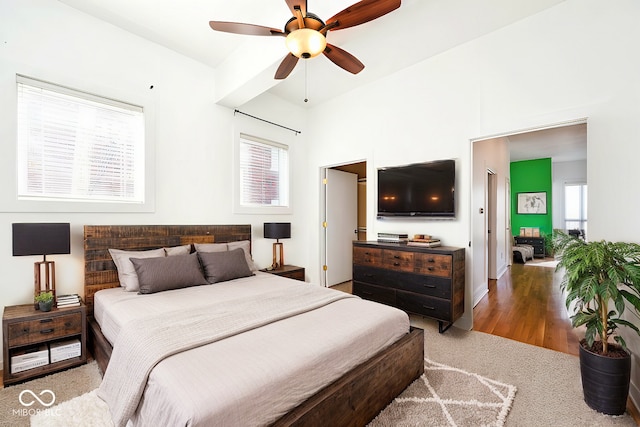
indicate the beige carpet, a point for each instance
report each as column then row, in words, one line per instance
column 549, row 392
column 63, row 386
column 548, row 382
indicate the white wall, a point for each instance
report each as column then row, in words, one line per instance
column 192, row 136
column 565, row 173
column 571, row 61
column 490, row 154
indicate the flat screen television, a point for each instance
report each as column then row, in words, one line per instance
column 417, row 190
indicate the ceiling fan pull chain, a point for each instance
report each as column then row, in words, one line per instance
column 306, row 82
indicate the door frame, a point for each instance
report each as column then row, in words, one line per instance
column 477, row 257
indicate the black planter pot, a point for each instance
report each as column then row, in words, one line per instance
column 605, row 381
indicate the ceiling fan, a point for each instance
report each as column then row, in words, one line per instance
column 306, row 33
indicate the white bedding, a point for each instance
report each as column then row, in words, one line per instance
column 257, row 376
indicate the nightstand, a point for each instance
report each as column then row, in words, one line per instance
column 290, row 271
column 25, row 328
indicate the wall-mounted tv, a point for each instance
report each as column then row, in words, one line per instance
column 417, row 190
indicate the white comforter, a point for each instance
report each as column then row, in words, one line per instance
column 255, row 377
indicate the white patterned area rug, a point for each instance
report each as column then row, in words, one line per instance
column 442, row 396
column 446, row 396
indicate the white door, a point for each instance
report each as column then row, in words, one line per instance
column 341, row 224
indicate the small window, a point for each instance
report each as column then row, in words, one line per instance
column 74, row 146
column 575, row 207
column 264, row 173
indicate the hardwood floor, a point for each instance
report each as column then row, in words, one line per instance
column 526, row 305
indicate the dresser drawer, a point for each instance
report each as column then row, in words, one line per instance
column 44, row 329
column 424, row 305
column 398, row 260
column 375, row 293
column 433, row 264
column 367, row 256
column 372, row 275
column 426, row 285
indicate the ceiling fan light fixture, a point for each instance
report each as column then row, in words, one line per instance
column 306, row 43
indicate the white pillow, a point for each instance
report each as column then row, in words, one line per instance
column 126, row 271
column 245, row 245
column 211, row 247
column 177, row 250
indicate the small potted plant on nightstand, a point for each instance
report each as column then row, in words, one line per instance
column 45, row 301
column 601, row 279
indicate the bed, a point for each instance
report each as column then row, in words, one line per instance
column 313, row 381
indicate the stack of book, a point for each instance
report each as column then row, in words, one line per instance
column 71, row 300
column 424, row 240
column 393, row 237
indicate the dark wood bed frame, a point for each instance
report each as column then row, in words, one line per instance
column 352, row 400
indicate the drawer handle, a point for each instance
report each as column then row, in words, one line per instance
column 428, row 308
column 396, row 256
column 430, row 286
column 46, row 331
column 369, row 275
column 430, row 268
column 67, row 324
column 367, row 253
column 431, row 260
column 46, row 320
column 396, row 264
column 366, row 293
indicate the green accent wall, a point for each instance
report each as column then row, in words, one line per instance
column 531, row 176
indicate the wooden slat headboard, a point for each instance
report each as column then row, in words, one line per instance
column 99, row 269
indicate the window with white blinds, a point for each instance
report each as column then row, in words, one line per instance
column 264, row 173
column 74, row 146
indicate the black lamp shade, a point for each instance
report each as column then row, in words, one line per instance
column 277, row 230
column 41, row 238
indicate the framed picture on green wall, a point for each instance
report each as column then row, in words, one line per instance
column 532, row 203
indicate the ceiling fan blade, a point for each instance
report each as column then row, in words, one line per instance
column 302, row 4
column 240, row 28
column 286, row 66
column 361, row 12
column 343, row 59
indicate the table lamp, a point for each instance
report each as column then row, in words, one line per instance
column 277, row 230
column 42, row 239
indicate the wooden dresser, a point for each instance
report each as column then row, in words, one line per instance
column 536, row 242
column 420, row 280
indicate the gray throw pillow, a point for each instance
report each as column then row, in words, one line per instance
column 163, row 274
column 126, row 271
column 223, row 266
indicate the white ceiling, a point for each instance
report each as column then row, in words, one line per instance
column 562, row 144
column 417, row 30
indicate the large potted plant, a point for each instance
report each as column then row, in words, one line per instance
column 601, row 280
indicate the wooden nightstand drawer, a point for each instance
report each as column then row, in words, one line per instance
column 44, row 329
column 23, row 326
column 289, row 271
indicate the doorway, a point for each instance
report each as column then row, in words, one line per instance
column 565, row 143
column 343, row 209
